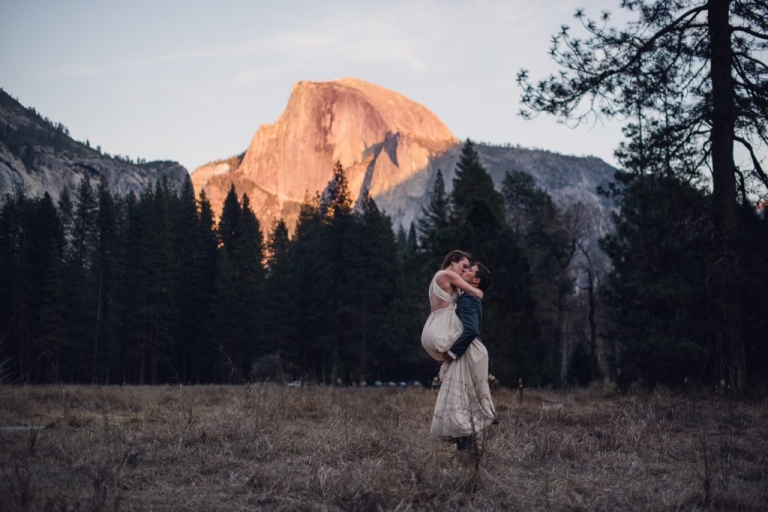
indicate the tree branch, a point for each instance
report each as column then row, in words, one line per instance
column 751, row 32
column 704, row 67
column 742, row 184
column 755, row 161
column 751, row 59
column 747, row 87
column 597, row 78
column 658, row 35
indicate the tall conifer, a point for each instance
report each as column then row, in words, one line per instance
column 204, row 355
column 80, row 284
column 280, row 300
column 189, row 292
column 438, row 237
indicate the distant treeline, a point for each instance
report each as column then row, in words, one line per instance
column 21, row 141
column 150, row 289
column 41, row 131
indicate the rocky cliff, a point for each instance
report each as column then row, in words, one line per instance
column 38, row 156
column 568, row 179
column 386, row 143
column 380, row 137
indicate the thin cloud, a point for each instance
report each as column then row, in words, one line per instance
column 216, row 53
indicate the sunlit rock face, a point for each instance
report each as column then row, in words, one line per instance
column 381, row 138
column 37, row 157
column 388, row 145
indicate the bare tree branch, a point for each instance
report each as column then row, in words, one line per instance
column 751, row 32
column 598, row 79
column 755, row 161
column 751, row 59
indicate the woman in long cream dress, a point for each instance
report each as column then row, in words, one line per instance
column 464, row 406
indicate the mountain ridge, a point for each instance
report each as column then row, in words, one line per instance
column 387, row 145
column 39, row 156
column 367, row 128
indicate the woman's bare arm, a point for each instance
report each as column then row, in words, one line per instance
column 455, row 279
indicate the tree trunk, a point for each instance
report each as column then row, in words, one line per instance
column 363, row 348
column 142, row 357
column 593, row 366
column 99, row 300
column 183, row 362
column 124, row 363
column 561, row 349
column 725, row 292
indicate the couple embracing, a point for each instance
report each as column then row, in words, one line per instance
column 452, row 335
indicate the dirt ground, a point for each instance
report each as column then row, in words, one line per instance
column 317, row 448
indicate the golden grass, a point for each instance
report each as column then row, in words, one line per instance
column 275, row 448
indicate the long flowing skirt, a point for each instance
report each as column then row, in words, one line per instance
column 464, row 406
column 441, row 331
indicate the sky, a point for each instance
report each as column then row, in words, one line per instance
column 192, row 80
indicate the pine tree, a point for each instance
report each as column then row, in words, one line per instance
column 106, row 273
column 472, row 183
column 160, row 297
column 280, row 300
column 539, row 227
column 522, row 198
column 67, row 215
column 753, row 245
column 338, row 249
column 437, row 235
column 281, row 292
column 337, row 200
column 402, row 240
column 312, row 262
column 205, row 354
column 229, row 225
column 477, row 206
column 248, row 266
column 510, row 329
column 239, row 280
column 84, row 226
column 691, row 75
column 53, row 327
column 400, row 354
column 372, row 294
column 189, row 299
column 656, row 295
column 148, row 289
column 44, row 250
column 80, row 286
column 131, row 339
column 12, row 277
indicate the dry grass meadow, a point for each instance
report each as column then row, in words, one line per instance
column 277, row 448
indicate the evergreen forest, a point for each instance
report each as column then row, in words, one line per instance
column 98, row 288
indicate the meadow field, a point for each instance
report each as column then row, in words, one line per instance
column 318, row 448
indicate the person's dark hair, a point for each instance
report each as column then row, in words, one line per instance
column 485, row 276
column 453, row 257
